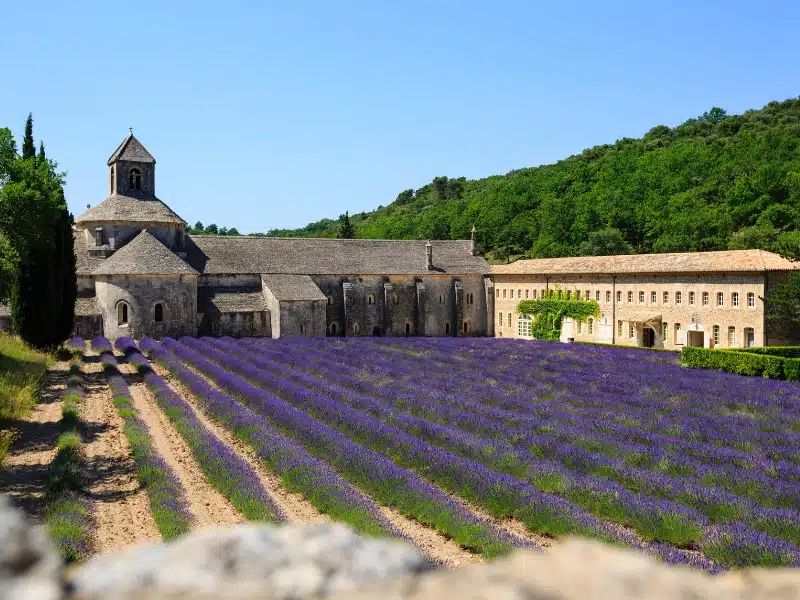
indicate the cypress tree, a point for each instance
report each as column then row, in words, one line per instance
column 28, row 147
column 68, row 283
column 346, row 231
column 42, row 155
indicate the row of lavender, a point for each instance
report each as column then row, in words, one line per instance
column 293, row 372
column 373, row 442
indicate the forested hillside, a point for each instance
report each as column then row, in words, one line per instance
column 717, row 181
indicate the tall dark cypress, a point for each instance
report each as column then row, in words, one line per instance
column 68, row 283
column 346, row 230
column 42, row 155
column 28, row 147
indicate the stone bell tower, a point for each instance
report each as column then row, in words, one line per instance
column 132, row 170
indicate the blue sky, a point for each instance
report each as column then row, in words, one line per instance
column 275, row 114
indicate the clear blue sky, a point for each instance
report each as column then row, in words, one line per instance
column 274, row 114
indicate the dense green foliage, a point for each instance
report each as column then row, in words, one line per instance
column 783, row 351
column 714, row 182
column 37, row 262
column 743, row 362
column 551, row 310
column 212, row 229
column 346, row 230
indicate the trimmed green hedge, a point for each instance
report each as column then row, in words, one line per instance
column 782, row 351
column 743, row 362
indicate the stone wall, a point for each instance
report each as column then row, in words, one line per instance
column 398, row 306
column 121, row 178
column 636, row 301
column 120, row 233
column 304, row 318
column 235, row 324
column 177, row 294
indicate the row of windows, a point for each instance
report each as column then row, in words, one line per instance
column 469, row 298
column 122, row 313
column 665, row 296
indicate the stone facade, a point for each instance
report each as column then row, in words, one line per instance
column 712, row 309
column 139, row 274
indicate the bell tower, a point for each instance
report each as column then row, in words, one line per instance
column 132, row 170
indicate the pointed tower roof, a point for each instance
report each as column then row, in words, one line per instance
column 144, row 255
column 131, row 149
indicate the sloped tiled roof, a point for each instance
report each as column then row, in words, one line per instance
column 324, row 256
column 84, row 264
column 293, row 287
column 683, row 262
column 126, row 208
column 144, row 255
column 230, row 300
column 86, row 307
column 133, row 150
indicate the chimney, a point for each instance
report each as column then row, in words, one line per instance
column 473, row 241
column 429, row 256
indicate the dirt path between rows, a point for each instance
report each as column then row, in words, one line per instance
column 205, row 503
column 24, row 473
column 435, row 545
column 120, row 506
column 295, row 506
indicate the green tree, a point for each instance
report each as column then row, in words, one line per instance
column 233, row 231
column 28, row 147
column 346, row 230
column 605, row 242
column 212, row 229
column 41, row 156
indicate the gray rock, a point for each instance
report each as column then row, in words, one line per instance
column 248, row 561
column 30, row 568
column 585, row 570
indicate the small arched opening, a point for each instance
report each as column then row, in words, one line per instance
column 158, row 313
column 122, row 314
column 134, row 179
column 371, row 299
column 466, row 326
column 447, row 327
column 333, row 329
column 302, row 328
column 441, row 298
column 376, row 331
column 408, row 328
column 356, row 328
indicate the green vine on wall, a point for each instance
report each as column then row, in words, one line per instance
column 549, row 312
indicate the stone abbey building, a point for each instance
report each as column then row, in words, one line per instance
column 139, row 274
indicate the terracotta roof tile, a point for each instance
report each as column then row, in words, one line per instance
column 684, row 262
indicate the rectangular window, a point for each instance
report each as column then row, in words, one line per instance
column 691, row 298
column 715, row 329
column 597, row 295
column 619, row 328
column 630, row 297
column 526, row 294
column 504, row 293
column 544, row 294
column 619, row 297
column 652, row 297
column 580, row 327
column 524, row 327
column 534, row 294
column 731, row 336
column 666, row 298
column 509, row 319
column 577, row 294
column 511, row 294
column 498, row 292
column 705, row 298
column 631, row 332
column 519, row 294
column 500, row 319
column 749, row 337
column 591, row 326
column 735, row 299
column 608, row 295
column 720, row 299
column 665, row 331
column 677, row 329
column 751, row 299
column 678, row 297
column 588, row 295
column 641, row 297
column 569, row 294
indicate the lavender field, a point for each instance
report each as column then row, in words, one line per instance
column 469, row 435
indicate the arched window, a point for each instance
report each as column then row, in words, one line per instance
column 524, row 326
column 330, row 300
column 356, row 328
column 441, row 298
column 158, row 312
column 333, row 328
column 113, row 191
column 134, row 179
column 751, row 299
column 466, row 327
column 371, row 299
column 122, row 314
column 580, row 327
column 447, row 327
column 302, row 328
column 395, row 299
column 408, row 328
column 735, row 299
column 705, row 298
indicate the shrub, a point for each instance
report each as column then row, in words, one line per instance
column 745, row 361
